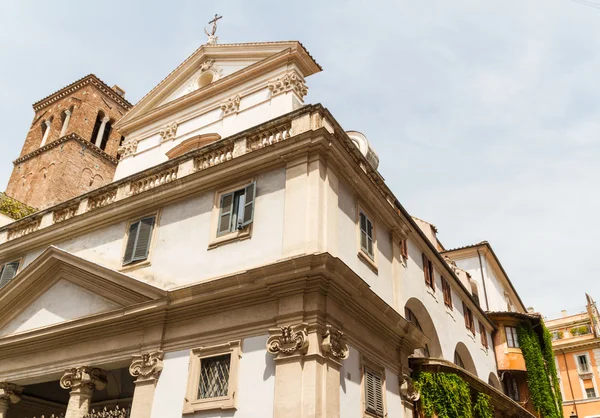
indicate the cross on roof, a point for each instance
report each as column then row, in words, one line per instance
column 212, row 38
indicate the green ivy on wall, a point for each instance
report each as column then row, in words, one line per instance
column 541, row 371
column 14, row 208
column 446, row 395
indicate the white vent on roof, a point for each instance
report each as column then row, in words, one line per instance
column 365, row 148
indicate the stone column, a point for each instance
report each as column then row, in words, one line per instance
column 101, row 131
column 46, row 132
column 82, row 381
column 146, row 368
column 9, row 394
column 63, row 131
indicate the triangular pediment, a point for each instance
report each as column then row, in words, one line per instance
column 59, row 286
column 212, row 69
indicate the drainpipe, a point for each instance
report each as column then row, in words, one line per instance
column 487, row 305
column 569, row 378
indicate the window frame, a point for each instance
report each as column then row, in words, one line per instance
column 379, row 371
column 514, row 336
column 469, row 319
column 134, row 264
column 19, row 261
column 483, row 335
column 587, row 361
column 510, row 378
column 217, row 238
column 369, row 259
column 194, row 404
column 404, row 249
column 428, row 272
column 447, row 292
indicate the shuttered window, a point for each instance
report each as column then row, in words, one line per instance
column 447, row 293
column 138, row 240
column 366, row 235
column 404, row 248
column 373, row 393
column 483, row 332
column 236, row 209
column 428, row 272
column 469, row 322
column 9, row 270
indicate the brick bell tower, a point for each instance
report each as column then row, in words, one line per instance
column 71, row 147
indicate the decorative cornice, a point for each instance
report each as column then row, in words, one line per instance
column 83, row 378
column 82, row 82
column 10, row 393
column 128, row 148
column 231, row 105
column 290, row 81
column 62, row 140
column 168, row 132
column 334, row 344
column 147, row 366
column 288, row 340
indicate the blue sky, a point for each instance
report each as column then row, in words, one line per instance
column 485, row 115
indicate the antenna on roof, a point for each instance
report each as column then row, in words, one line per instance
column 212, row 38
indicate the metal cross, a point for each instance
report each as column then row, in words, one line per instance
column 214, row 23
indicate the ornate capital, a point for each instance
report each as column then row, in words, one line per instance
column 231, row 105
column 128, row 148
column 83, row 377
column 147, row 366
column 407, row 389
column 290, row 81
column 168, row 132
column 288, row 340
column 10, row 393
column 334, row 344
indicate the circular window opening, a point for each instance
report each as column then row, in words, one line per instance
column 205, row 79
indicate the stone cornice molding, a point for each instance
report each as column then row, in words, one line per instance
column 147, row 366
column 288, row 340
column 334, row 344
column 70, row 137
column 10, row 393
column 128, row 148
column 71, row 88
column 83, row 378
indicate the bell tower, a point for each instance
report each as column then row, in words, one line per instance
column 71, row 147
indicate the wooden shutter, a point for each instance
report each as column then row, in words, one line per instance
column 426, row 269
column 142, row 245
column 373, row 393
column 404, row 248
column 225, row 214
column 250, row 194
column 466, row 315
column 9, row 270
column 131, row 239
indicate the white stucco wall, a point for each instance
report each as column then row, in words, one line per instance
column 50, row 308
column 350, row 387
column 256, row 384
column 5, row 220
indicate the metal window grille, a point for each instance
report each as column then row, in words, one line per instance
column 214, row 376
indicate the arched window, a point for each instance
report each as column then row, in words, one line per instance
column 65, row 117
column 101, row 132
column 458, row 360
column 410, row 316
column 46, row 130
column 205, row 79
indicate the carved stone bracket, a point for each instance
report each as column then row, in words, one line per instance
column 206, row 65
column 10, row 393
column 231, row 105
column 147, row 366
column 288, row 340
column 84, row 378
column 128, row 148
column 334, row 344
column 290, row 81
column 407, row 389
column 168, row 132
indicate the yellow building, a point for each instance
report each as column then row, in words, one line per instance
column 576, row 344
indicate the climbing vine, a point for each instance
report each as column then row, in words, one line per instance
column 446, row 395
column 548, row 354
column 540, row 366
column 14, row 208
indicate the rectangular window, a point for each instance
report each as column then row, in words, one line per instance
column 590, row 393
column 366, row 235
column 404, row 249
column 511, row 388
column 447, row 293
column 236, row 209
column 373, row 392
column 138, row 240
column 582, row 364
column 483, row 332
column 214, row 376
column 8, row 271
column 469, row 323
column 428, row 272
column 511, row 337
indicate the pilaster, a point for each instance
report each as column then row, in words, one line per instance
column 146, row 368
column 81, row 381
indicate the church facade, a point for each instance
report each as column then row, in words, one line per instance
column 223, row 249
